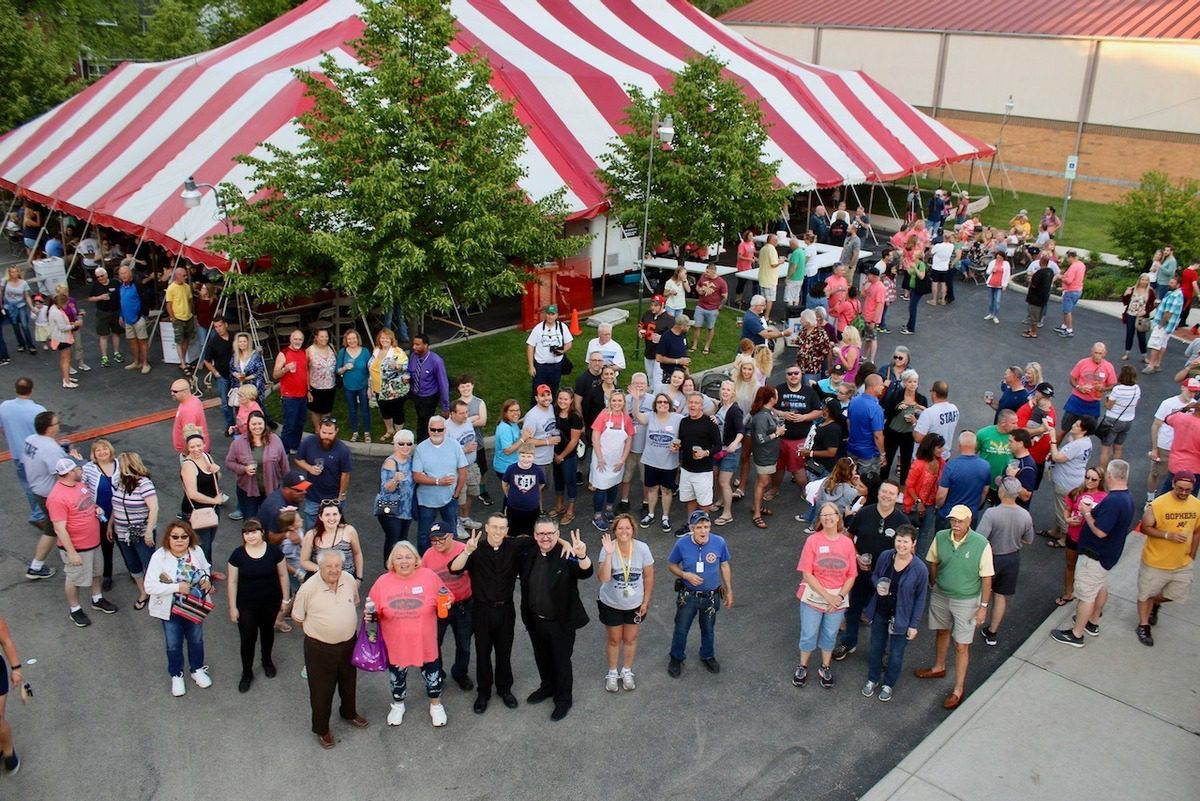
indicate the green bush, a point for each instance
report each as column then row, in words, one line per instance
column 1159, row 212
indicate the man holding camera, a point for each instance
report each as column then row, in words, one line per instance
column 545, row 348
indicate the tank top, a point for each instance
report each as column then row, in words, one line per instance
column 342, row 546
column 294, row 385
column 206, row 484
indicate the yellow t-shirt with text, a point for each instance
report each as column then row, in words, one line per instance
column 1172, row 515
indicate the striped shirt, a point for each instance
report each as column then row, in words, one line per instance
column 1171, row 304
column 132, row 507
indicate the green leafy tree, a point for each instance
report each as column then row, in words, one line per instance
column 1159, row 212
column 226, row 20
column 406, row 181
column 173, row 31
column 715, row 8
column 712, row 181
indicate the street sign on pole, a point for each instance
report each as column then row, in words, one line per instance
column 1072, row 165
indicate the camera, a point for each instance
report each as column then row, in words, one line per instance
column 556, row 350
column 135, row 531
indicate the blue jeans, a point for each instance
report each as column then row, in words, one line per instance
column 431, row 672
column 3, row 345
column 860, row 596
column 689, row 605
column 604, row 499
column 18, row 315
column 248, row 505
column 818, row 628
column 426, row 515
column 294, row 412
column 356, row 402
column 460, row 621
column 136, row 555
column 223, row 387
column 396, row 315
column 926, row 527
column 894, row 644
column 994, row 300
column 394, row 530
column 176, row 630
column 564, row 476
column 546, row 373
column 207, row 535
column 36, row 515
column 914, row 303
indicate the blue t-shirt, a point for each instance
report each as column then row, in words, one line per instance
column 336, row 460
column 965, row 478
column 438, row 461
column 506, row 434
column 1027, row 475
column 355, row 378
column 752, row 328
column 703, row 560
column 1114, row 515
column 1010, row 398
column 524, row 487
column 131, row 303
column 672, row 346
column 16, row 417
column 865, row 417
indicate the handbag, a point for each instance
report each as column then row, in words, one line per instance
column 370, row 652
column 1142, row 324
column 193, row 606
column 203, row 517
column 234, row 399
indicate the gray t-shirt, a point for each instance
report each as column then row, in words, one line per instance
column 627, row 588
column 464, row 434
column 541, row 424
column 1007, row 528
column 40, row 455
column 843, row 496
column 659, row 436
column 1069, row 474
column 639, row 430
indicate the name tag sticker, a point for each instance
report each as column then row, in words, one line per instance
column 823, row 549
column 418, row 590
column 700, row 566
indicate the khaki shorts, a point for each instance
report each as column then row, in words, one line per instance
column 1170, row 584
column 1090, row 578
column 696, row 487
column 138, row 330
column 1060, row 509
column 184, row 329
column 765, row 469
column 81, row 576
column 956, row 614
column 768, row 292
column 631, row 467
column 473, row 478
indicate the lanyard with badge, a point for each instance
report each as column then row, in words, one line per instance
column 625, row 565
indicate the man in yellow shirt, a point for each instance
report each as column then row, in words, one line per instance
column 181, row 311
column 768, row 272
column 1171, row 524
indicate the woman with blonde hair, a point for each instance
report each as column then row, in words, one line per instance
column 62, row 338
column 98, row 476
column 389, row 380
column 246, row 365
column 247, row 405
column 75, row 315
column 849, row 352
column 745, row 385
column 764, row 362
column 135, row 513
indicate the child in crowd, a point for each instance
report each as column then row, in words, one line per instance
column 291, row 523
column 522, row 484
column 41, row 320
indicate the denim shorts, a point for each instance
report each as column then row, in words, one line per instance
column 706, row 318
column 1069, row 299
column 730, row 462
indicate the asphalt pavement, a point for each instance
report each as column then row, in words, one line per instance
column 104, row 724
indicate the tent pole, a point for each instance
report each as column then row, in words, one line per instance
column 75, row 253
column 37, row 242
column 162, row 307
column 891, row 206
column 858, row 200
column 604, row 259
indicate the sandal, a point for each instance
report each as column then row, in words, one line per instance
column 765, row 511
column 722, row 521
column 140, row 603
column 1054, row 544
column 770, row 495
column 1061, row 601
column 282, row 628
column 706, row 351
column 569, row 517
column 758, row 521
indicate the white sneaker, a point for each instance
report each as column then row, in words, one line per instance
column 627, row 680
column 178, row 688
column 73, row 371
column 201, row 677
column 437, row 713
column 470, row 523
column 996, row 320
column 396, row 716
column 85, row 368
column 610, row 681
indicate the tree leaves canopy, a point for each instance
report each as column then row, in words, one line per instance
column 712, row 181
column 405, row 183
column 1159, row 212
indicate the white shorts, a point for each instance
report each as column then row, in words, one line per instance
column 696, row 487
column 767, row 292
column 791, row 292
column 1158, row 339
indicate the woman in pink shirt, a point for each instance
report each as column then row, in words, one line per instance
column 746, row 254
column 828, row 567
column 1072, row 291
column 405, row 599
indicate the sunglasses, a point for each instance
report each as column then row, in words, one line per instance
column 436, row 430
column 404, row 444
column 897, row 358
column 793, row 372
column 329, row 421
column 328, row 502
column 179, row 537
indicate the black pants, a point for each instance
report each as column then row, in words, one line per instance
column 459, row 621
column 520, row 521
column 329, row 668
column 106, row 553
column 256, row 621
column 553, row 644
column 493, row 626
column 426, row 406
column 894, row 441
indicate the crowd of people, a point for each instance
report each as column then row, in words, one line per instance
column 911, row 523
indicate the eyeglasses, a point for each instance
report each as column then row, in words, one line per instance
column 793, row 372
column 662, row 403
column 404, row 444
column 436, row 430
column 897, row 358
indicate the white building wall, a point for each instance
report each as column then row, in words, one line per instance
column 1148, row 85
column 905, row 63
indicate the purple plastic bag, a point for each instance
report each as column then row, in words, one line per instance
column 370, row 654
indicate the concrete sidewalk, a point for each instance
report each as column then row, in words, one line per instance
column 1112, row 720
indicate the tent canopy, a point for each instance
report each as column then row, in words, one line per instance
column 121, row 150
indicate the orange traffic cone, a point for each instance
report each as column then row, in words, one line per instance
column 575, row 329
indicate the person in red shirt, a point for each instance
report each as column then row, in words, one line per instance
column 190, row 412
column 1188, row 284
column 712, row 292
column 76, row 520
column 1185, row 449
column 1037, row 416
column 1091, row 379
column 442, row 551
column 291, row 371
column 874, row 299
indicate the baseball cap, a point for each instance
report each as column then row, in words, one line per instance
column 64, row 465
column 1183, row 475
column 960, row 512
column 697, row 516
column 1192, row 385
column 542, row 388
column 296, row 480
column 437, row 531
column 552, row 308
column 1045, row 388
column 659, row 299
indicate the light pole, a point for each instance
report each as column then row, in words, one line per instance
column 191, row 198
column 665, row 133
column 1008, row 108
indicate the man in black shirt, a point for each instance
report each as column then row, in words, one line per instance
column 799, row 406
column 650, row 329
column 699, row 439
column 872, row 530
column 217, row 356
column 551, row 609
column 673, row 348
column 105, row 294
column 585, row 401
column 288, row 495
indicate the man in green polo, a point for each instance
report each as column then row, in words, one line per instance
column 960, row 572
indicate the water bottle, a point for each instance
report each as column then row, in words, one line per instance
column 373, row 629
column 443, row 603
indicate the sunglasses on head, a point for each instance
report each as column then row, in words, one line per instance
column 329, row 502
column 328, row 421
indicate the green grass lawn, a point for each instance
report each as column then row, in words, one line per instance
column 497, row 363
column 1086, row 224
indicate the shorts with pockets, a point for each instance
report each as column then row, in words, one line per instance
column 82, row 575
column 696, row 487
column 956, row 614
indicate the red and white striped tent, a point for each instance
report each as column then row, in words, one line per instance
column 119, row 152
